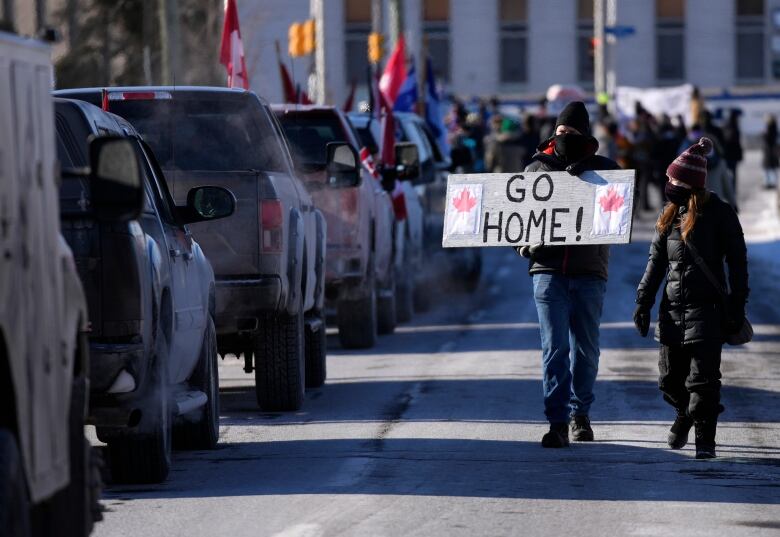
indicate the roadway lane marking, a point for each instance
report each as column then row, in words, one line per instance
column 301, row 530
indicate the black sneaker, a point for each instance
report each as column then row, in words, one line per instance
column 580, row 429
column 557, row 436
column 705, row 439
column 678, row 434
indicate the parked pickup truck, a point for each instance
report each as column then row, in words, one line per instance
column 49, row 479
column 150, row 292
column 269, row 256
column 409, row 252
column 359, row 278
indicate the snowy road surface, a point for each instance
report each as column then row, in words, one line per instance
column 436, row 431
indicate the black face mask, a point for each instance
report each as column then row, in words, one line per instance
column 679, row 195
column 571, row 147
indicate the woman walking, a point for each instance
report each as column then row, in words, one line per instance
column 696, row 227
column 769, row 149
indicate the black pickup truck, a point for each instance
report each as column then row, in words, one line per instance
column 151, row 299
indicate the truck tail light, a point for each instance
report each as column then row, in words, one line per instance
column 139, row 95
column 271, row 226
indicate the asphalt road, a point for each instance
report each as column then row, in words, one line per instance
column 436, row 431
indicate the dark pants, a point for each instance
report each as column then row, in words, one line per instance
column 690, row 378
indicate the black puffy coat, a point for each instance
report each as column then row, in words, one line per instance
column 692, row 309
column 586, row 260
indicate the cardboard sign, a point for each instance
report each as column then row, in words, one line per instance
column 556, row 208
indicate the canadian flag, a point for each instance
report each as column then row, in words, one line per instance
column 611, row 211
column 395, row 72
column 232, row 50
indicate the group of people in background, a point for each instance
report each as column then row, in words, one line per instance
column 486, row 139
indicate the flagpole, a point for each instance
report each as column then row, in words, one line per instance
column 423, row 73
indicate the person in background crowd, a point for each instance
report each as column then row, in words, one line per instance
column 710, row 129
column 665, row 150
column 643, row 141
column 769, row 150
column 697, row 105
column 569, row 285
column 504, row 151
column 692, row 318
column 732, row 146
column 529, row 139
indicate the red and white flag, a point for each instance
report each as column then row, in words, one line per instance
column 611, row 214
column 232, row 50
column 395, row 72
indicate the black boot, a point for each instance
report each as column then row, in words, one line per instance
column 678, row 434
column 581, row 430
column 557, row 436
column 705, row 438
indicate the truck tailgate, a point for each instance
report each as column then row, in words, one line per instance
column 230, row 244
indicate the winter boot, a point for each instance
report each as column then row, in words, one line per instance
column 557, row 436
column 705, row 438
column 580, row 429
column 678, row 434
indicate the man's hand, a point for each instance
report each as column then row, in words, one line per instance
column 529, row 251
column 642, row 319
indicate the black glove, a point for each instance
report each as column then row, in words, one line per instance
column 529, row 251
column 642, row 319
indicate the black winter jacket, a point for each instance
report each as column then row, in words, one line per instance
column 692, row 309
column 590, row 260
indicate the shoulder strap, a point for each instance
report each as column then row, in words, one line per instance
column 705, row 269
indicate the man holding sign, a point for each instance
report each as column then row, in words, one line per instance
column 569, row 285
column 562, row 213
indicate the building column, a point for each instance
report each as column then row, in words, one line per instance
column 635, row 55
column 552, row 44
column 331, row 51
column 474, row 38
column 710, row 46
column 413, row 33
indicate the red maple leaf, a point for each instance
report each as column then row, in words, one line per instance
column 611, row 201
column 465, row 201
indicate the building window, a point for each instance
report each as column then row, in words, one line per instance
column 436, row 25
column 585, row 49
column 670, row 40
column 357, row 27
column 512, row 20
column 750, row 41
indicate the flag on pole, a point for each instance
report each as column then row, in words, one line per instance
column 288, row 88
column 232, row 50
column 388, row 157
column 395, row 72
column 351, row 97
column 407, row 95
column 432, row 107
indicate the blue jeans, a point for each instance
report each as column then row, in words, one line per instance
column 569, row 311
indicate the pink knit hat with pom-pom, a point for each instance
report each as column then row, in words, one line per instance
column 691, row 166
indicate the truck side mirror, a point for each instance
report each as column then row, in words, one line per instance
column 207, row 203
column 407, row 161
column 342, row 165
column 116, row 180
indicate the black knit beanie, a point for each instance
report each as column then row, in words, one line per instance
column 575, row 115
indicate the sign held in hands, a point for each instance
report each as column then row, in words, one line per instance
column 554, row 208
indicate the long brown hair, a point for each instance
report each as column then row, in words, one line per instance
column 695, row 204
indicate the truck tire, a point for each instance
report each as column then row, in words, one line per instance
column 386, row 312
column 201, row 430
column 76, row 501
column 357, row 321
column 14, row 505
column 145, row 456
column 404, row 301
column 279, row 363
column 316, row 356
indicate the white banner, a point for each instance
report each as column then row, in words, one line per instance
column 672, row 101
